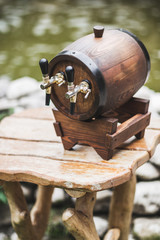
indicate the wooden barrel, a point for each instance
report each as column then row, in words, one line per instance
column 115, row 62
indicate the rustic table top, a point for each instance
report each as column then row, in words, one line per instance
column 30, row 151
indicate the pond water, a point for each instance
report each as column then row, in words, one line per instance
column 32, row 29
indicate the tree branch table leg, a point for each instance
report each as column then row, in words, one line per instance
column 26, row 227
column 121, row 207
column 79, row 221
column 112, row 234
column 41, row 209
column 20, row 216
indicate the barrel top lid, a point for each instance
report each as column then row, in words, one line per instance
column 98, row 31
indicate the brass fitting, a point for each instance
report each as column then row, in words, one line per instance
column 83, row 87
column 47, row 83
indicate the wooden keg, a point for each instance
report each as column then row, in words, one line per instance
column 115, row 62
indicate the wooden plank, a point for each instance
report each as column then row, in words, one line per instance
column 148, row 143
column 28, row 129
column 127, row 129
column 85, row 154
column 31, row 151
column 134, row 106
column 44, row 113
column 65, row 174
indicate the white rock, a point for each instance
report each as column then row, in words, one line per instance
column 147, row 198
column 34, row 100
column 5, row 104
column 4, row 27
column 144, row 92
column 18, row 109
column 4, row 84
column 3, row 236
column 103, row 194
column 146, row 228
column 101, row 225
column 103, row 201
column 58, row 195
column 14, row 236
column 154, row 103
column 22, row 87
column 147, row 172
column 154, row 98
column 131, row 237
column 156, row 157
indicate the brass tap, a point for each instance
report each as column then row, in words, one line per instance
column 58, row 79
column 83, row 87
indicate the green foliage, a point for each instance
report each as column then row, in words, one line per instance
column 3, row 198
column 56, row 229
column 5, row 113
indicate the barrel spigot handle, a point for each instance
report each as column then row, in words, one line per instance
column 44, row 69
column 70, row 80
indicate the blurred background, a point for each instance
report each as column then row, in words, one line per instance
column 33, row 29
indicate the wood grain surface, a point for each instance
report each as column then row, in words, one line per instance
column 31, row 151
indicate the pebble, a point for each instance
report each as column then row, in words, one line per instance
column 154, row 98
column 4, row 84
column 103, row 201
column 5, row 104
column 101, row 225
column 147, row 172
column 3, row 236
column 131, row 237
column 58, row 195
column 156, row 157
column 147, row 198
column 22, row 87
column 14, row 236
column 147, row 228
column 33, row 100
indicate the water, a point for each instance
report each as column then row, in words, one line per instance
column 30, row 30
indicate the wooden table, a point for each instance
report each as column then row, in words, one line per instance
column 30, row 151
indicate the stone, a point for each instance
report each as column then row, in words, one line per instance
column 147, row 228
column 22, row 87
column 144, row 92
column 4, row 84
column 147, row 172
column 6, row 105
column 3, row 236
column 156, row 159
column 58, row 195
column 147, row 197
column 130, row 237
column 102, row 201
column 34, row 100
column 154, row 103
column 14, row 236
column 101, row 225
column 154, row 98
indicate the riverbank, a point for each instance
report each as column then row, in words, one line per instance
column 23, row 93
